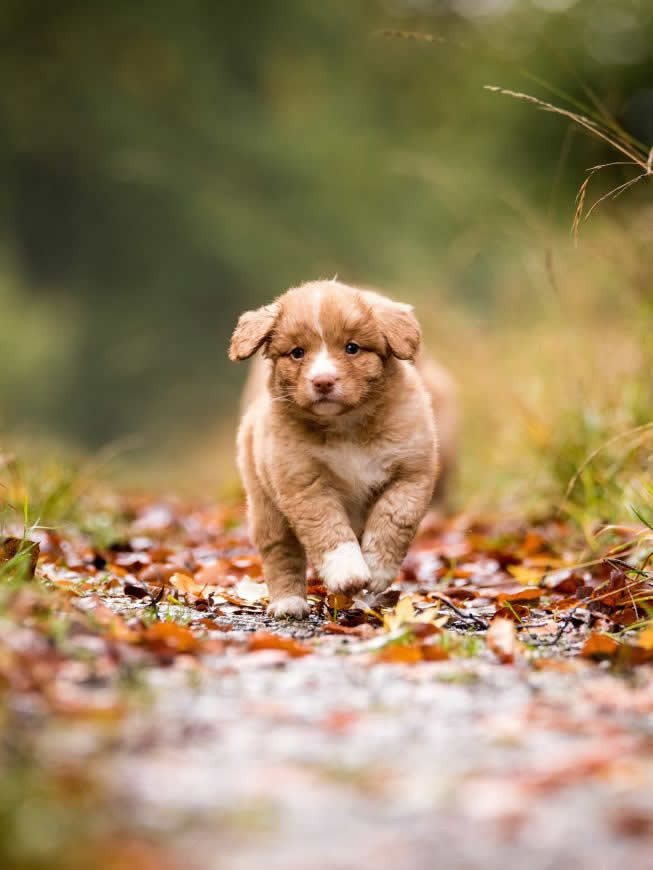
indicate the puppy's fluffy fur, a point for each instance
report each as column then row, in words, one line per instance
column 339, row 454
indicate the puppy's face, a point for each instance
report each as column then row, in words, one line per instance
column 329, row 345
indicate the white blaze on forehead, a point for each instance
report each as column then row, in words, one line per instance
column 322, row 364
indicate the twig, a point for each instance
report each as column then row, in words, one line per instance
column 564, row 623
column 468, row 617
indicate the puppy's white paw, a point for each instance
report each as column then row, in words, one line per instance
column 382, row 576
column 293, row 606
column 344, row 569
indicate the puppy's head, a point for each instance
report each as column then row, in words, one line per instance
column 330, row 345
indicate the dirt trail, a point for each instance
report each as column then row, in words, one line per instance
column 395, row 733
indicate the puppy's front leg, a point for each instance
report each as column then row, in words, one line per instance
column 320, row 522
column 391, row 526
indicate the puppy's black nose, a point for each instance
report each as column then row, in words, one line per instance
column 324, row 384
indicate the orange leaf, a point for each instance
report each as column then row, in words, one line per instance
column 251, row 565
column 528, row 593
column 533, row 542
column 215, row 626
column 434, row 652
column 336, row 628
column 317, row 589
column 599, row 645
column 515, row 612
column 215, row 574
column 266, row 640
column 400, row 654
column 170, row 636
column 185, row 584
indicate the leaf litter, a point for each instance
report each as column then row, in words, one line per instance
column 498, row 683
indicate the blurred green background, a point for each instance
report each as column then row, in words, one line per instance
column 166, row 165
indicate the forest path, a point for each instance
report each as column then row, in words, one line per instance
column 508, row 727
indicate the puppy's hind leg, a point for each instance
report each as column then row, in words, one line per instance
column 284, row 567
column 284, row 560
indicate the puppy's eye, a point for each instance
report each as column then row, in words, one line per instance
column 297, row 352
column 352, row 348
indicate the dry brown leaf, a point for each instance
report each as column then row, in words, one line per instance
column 528, row 593
column 336, row 601
column 515, row 612
column 357, row 630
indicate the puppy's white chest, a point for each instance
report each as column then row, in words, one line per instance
column 362, row 469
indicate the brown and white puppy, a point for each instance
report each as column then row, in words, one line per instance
column 339, row 454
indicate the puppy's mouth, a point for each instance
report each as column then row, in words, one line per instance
column 326, row 406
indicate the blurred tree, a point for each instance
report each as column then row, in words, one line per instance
column 167, row 164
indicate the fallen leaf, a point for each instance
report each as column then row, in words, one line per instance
column 400, row 654
column 251, row 591
column 599, row 645
column 170, row 636
column 530, row 593
column 404, row 612
column 251, row 565
column 525, row 576
column 158, row 573
column 533, row 542
column 215, row 626
column 186, row 584
column 356, row 630
column 433, row 651
column 645, row 637
column 335, row 601
column 266, row 640
column 625, row 617
column 502, row 640
column 568, row 585
column 215, row 574
column 516, row 612
column 318, row 590
column 135, row 590
column 389, row 598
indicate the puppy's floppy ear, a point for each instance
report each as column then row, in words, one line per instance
column 400, row 328
column 252, row 329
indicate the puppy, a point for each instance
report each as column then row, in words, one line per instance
column 339, row 454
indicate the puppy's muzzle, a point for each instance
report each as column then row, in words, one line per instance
column 323, row 385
